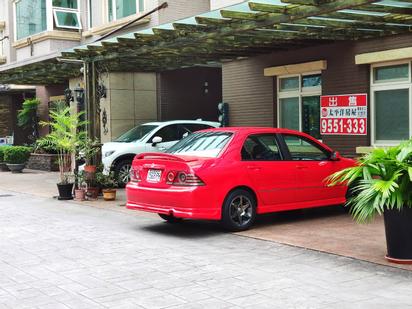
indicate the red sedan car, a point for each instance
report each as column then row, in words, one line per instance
column 233, row 174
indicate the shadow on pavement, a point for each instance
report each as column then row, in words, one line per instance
column 200, row 229
column 289, row 217
column 190, row 229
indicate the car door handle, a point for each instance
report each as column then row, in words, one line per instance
column 255, row 168
column 162, row 148
column 301, row 167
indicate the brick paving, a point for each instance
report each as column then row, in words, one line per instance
column 63, row 255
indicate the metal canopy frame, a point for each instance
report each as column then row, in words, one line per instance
column 248, row 29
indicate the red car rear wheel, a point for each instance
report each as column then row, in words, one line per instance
column 239, row 210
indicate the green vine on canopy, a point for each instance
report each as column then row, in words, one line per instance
column 381, row 180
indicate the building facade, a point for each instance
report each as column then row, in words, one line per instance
column 272, row 64
column 290, row 96
column 32, row 31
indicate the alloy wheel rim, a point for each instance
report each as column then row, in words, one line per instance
column 241, row 210
column 124, row 173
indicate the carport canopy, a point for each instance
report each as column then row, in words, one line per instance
column 251, row 28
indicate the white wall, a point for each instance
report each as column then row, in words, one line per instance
column 217, row 4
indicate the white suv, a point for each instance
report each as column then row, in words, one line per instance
column 118, row 155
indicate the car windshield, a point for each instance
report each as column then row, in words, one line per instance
column 136, row 133
column 202, row 144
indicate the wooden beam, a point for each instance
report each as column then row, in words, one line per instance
column 312, row 66
column 235, row 27
column 384, row 56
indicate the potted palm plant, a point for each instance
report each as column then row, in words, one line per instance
column 65, row 138
column 381, row 184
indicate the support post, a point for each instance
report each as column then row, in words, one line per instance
column 92, row 104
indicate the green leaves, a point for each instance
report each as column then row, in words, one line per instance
column 27, row 115
column 64, row 136
column 382, row 179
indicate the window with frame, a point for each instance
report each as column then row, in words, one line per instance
column 299, row 102
column 391, row 103
column 118, row 9
column 30, row 17
column 66, row 14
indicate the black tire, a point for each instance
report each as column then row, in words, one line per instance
column 120, row 172
column 239, row 210
column 170, row 219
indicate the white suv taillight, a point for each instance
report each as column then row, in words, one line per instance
column 135, row 175
column 183, row 179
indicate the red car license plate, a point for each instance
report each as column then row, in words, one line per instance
column 154, row 175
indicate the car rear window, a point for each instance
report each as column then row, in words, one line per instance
column 202, row 144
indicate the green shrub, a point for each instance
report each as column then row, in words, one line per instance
column 17, row 154
column 41, row 147
column 2, row 150
column 27, row 116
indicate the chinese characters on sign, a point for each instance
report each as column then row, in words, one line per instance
column 344, row 114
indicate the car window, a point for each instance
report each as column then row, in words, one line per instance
column 262, row 147
column 187, row 128
column 301, row 148
column 137, row 133
column 202, row 144
column 169, row 133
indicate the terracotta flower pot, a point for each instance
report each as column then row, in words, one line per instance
column 90, row 169
column 80, row 194
column 109, row 194
column 92, row 193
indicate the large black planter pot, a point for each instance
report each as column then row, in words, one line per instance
column 16, row 168
column 65, row 191
column 3, row 167
column 398, row 229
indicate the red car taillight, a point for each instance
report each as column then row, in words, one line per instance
column 135, row 175
column 183, row 179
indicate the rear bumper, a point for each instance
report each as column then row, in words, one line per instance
column 181, row 202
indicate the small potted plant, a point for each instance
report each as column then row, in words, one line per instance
column 80, row 186
column 381, row 184
column 16, row 157
column 3, row 164
column 88, row 150
column 108, row 184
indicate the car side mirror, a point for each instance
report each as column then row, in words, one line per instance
column 185, row 135
column 156, row 140
column 335, row 156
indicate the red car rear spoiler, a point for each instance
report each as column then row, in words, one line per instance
column 158, row 155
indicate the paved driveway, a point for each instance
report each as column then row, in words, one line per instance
column 62, row 255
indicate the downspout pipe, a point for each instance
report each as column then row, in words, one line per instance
column 162, row 6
